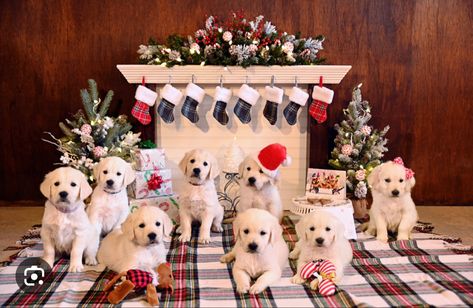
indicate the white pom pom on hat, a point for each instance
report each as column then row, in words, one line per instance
column 145, row 95
column 171, row 94
column 271, row 157
column 248, row 94
column 274, row 94
column 322, row 94
column 298, row 96
column 195, row 92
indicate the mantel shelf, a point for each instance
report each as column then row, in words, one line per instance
column 210, row 74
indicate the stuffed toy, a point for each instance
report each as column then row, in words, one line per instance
column 324, row 272
column 138, row 280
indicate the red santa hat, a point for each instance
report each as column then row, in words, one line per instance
column 271, row 157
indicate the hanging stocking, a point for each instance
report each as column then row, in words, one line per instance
column 322, row 98
column 273, row 99
column 247, row 97
column 222, row 97
column 194, row 96
column 170, row 97
column 297, row 98
column 145, row 98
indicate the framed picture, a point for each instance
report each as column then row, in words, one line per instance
column 326, row 184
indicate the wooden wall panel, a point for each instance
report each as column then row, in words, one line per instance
column 413, row 58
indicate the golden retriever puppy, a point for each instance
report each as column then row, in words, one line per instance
column 393, row 208
column 139, row 242
column 321, row 236
column 66, row 227
column 108, row 207
column 258, row 189
column 199, row 201
column 260, row 251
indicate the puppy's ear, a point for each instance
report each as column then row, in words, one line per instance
column 373, row 177
column 214, row 170
column 241, row 168
column 167, row 225
column 97, row 171
column 300, row 229
column 410, row 184
column 84, row 190
column 183, row 162
column 129, row 176
column 45, row 186
column 128, row 227
column 276, row 232
column 237, row 227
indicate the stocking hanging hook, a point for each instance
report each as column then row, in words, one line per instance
column 221, row 81
column 295, row 81
column 272, row 81
column 193, row 78
column 170, row 79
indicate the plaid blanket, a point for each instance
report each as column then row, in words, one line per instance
column 421, row 272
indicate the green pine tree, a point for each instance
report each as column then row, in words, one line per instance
column 358, row 147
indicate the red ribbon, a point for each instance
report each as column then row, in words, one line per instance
column 155, row 182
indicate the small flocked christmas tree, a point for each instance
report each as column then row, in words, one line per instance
column 92, row 135
column 358, row 147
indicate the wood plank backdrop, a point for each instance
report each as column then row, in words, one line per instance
column 413, row 57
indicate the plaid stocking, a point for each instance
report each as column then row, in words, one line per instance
column 247, row 97
column 318, row 111
column 290, row 112
column 322, row 98
column 274, row 97
column 194, row 96
column 145, row 98
column 220, row 114
column 170, row 97
column 297, row 98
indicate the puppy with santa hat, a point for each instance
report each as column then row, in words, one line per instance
column 259, row 175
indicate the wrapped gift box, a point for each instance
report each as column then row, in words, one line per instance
column 148, row 159
column 151, row 183
column 342, row 209
column 169, row 204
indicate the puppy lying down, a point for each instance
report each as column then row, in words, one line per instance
column 260, row 251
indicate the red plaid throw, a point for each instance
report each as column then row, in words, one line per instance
column 139, row 278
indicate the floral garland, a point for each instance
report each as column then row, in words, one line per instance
column 236, row 41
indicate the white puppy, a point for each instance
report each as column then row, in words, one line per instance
column 139, row 242
column 199, row 201
column 66, row 227
column 393, row 208
column 258, row 190
column 260, row 251
column 321, row 236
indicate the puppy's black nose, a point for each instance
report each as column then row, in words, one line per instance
column 110, row 182
column 63, row 194
column 152, row 236
column 196, row 171
column 395, row 192
column 252, row 246
column 319, row 240
column 251, row 180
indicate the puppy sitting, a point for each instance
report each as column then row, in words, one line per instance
column 258, row 180
column 108, row 208
column 65, row 226
column 199, row 201
column 393, row 208
column 260, row 252
column 139, row 243
column 321, row 236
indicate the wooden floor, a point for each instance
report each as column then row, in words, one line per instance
column 454, row 221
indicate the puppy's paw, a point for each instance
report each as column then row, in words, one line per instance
column 383, row 239
column 257, row 288
column 227, row 258
column 217, row 228
column 242, row 288
column 294, row 254
column 314, row 284
column 402, row 237
column 370, row 232
column 204, row 239
column 76, row 268
column 178, row 230
column 185, row 237
column 92, row 261
column 297, row 279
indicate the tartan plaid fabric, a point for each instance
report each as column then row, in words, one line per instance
column 419, row 272
column 219, row 112
column 270, row 112
column 290, row 112
column 139, row 278
column 165, row 110
column 318, row 111
column 242, row 110
column 189, row 109
column 141, row 112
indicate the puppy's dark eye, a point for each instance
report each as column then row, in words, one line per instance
column 141, row 225
column 327, row 229
column 73, row 184
column 105, row 172
column 192, row 161
column 248, row 168
column 246, row 231
column 260, row 170
column 119, row 173
column 158, row 223
column 401, row 180
column 312, row 229
column 205, row 163
column 56, row 184
column 263, row 233
column 387, row 180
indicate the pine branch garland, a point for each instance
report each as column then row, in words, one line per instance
column 66, row 130
column 106, row 103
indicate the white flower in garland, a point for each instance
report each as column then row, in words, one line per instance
column 130, row 139
column 200, row 33
column 268, row 28
column 288, row 47
column 108, row 123
column 175, row 55
column 65, row 159
column 194, row 48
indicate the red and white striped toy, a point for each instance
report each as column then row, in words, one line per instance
column 324, row 271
